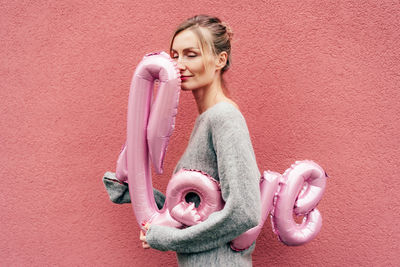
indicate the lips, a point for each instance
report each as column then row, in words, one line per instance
column 183, row 78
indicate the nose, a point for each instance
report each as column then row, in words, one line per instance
column 180, row 64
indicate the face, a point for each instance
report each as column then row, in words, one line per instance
column 186, row 52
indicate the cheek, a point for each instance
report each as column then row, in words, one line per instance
column 209, row 71
column 197, row 66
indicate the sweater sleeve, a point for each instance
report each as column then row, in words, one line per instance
column 118, row 192
column 239, row 179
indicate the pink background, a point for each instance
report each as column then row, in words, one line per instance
column 314, row 80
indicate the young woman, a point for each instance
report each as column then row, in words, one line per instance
column 219, row 145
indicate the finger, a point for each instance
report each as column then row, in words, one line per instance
column 142, row 236
column 145, row 245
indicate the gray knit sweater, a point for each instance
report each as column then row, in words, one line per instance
column 219, row 145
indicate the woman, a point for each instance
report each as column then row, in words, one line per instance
column 219, row 145
column 201, row 47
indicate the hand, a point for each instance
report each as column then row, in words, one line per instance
column 143, row 236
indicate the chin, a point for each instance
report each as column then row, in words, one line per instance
column 185, row 89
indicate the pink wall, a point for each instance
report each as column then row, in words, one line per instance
column 314, row 80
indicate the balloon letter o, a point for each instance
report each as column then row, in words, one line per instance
column 200, row 183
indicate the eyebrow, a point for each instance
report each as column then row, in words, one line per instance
column 189, row 48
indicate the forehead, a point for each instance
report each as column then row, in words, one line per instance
column 185, row 40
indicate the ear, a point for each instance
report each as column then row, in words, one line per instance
column 221, row 60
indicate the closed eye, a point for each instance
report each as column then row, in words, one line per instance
column 176, row 56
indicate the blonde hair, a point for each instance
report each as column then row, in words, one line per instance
column 220, row 38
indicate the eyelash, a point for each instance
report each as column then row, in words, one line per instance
column 188, row 56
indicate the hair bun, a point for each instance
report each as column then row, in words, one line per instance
column 228, row 29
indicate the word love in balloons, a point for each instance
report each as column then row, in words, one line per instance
column 149, row 127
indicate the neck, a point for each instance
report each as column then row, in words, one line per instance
column 208, row 96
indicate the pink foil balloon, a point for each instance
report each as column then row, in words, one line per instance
column 268, row 186
column 149, row 128
column 192, row 181
column 121, row 171
column 155, row 121
column 300, row 190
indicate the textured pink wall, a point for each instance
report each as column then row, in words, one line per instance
column 314, row 80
